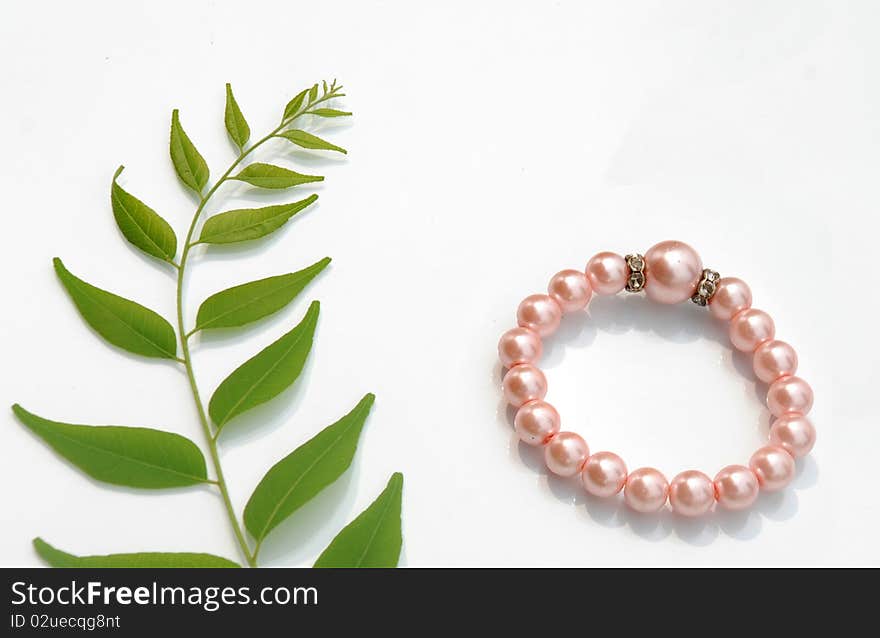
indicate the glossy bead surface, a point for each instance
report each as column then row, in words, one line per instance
column 774, row 359
column 773, row 466
column 789, row 394
column 566, row 453
column 794, row 433
column 646, row 490
column 672, row 270
column 536, row 422
column 524, row 383
column 519, row 345
column 736, row 487
column 607, row 273
column 691, row 493
column 731, row 296
column 604, row 474
column 570, row 289
column 539, row 313
column 750, row 328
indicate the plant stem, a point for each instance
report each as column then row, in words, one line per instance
column 212, row 444
column 186, row 360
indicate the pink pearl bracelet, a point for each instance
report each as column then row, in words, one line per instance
column 670, row 272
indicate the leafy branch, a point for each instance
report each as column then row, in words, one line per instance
column 146, row 458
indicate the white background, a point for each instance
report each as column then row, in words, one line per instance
column 493, row 144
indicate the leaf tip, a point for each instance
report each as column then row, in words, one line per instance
column 58, row 264
column 118, row 171
column 27, row 419
column 395, row 483
column 366, row 403
column 44, row 550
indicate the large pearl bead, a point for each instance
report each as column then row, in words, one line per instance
column 604, row 474
column 524, row 383
column 672, row 271
column 519, row 345
column 566, row 453
column 794, row 433
column 789, row 394
column 731, row 296
column 691, row 493
column 570, row 289
column 607, row 273
column 536, row 422
column 774, row 359
column 750, row 328
column 736, row 487
column 773, row 466
column 539, row 313
column 646, row 490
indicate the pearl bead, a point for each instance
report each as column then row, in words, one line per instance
column 604, row 474
column 736, row 487
column 570, row 289
column 536, row 422
column 691, row 493
column 750, row 328
column 794, row 433
column 672, row 271
column 607, row 273
column 539, row 313
column 519, row 345
column 774, row 359
column 789, row 394
column 524, row 383
column 773, row 466
column 731, row 296
column 646, row 490
column 566, row 453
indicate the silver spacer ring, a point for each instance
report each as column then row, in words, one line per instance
column 636, row 280
column 706, row 288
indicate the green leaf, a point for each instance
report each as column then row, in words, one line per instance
column 236, row 125
column 302, row 474
column 295, row 104
column 140, row 224
column 123, row 323
column 134, row 457
column 248, row 302
column 269, row 176
column 266, row 374
column 329, row 113
column 374, row 538
column 307, row 140
column 245, row 224
column 189, row 164
column 57, row 558
column 313, row 94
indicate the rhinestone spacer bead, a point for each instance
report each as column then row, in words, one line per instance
column 706, row 287
column 636, row 280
